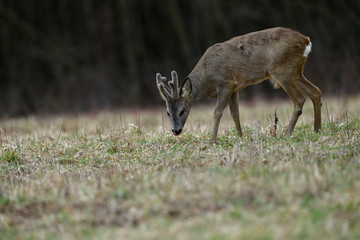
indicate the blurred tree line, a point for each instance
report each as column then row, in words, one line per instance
column 65, row 55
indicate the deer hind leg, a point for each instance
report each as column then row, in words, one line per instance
column 314, row 94
column 234, row 110
column 290, row 87
column 222, row 100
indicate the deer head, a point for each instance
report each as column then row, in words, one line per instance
column 177, row 100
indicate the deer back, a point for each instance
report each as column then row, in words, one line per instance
column 249, row 59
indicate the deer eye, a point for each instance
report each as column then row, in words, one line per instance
column 168, row 114
column 182, row 112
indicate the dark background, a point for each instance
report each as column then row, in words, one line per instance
column 80, row 55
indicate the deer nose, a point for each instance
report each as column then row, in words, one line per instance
column 176, row 132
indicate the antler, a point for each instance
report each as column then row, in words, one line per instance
column 164, row 91
column 170, row 93
column 174, row 84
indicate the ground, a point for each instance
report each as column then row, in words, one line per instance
column 121, row 174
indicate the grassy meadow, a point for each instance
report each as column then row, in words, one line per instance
column 122, row 175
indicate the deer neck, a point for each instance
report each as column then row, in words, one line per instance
column 198, row 91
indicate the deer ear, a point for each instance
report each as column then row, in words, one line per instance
column 186, row 88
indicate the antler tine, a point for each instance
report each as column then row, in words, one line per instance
column 164, row 91
column 174, row 85
column 160, row 79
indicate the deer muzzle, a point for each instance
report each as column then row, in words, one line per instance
column 176, row 132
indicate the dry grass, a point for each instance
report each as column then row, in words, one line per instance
column 121, row 174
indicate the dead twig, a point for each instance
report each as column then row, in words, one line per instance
column 274, row 127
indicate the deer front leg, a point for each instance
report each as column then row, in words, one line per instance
column 222, row 100
column 234, row 110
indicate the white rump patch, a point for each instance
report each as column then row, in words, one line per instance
column 307, row 49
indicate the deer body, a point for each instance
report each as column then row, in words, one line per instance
column 278, row 54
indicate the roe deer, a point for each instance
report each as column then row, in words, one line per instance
column 278, row 54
